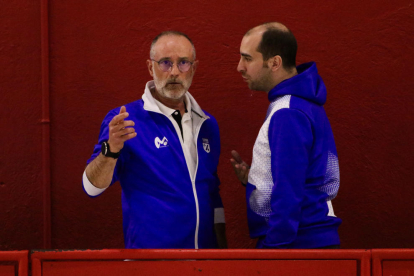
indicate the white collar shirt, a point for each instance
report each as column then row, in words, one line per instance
column 188, row 143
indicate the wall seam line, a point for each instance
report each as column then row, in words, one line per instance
column 45, row 123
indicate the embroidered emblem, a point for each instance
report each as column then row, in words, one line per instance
column 206, row 145
column 161, row 143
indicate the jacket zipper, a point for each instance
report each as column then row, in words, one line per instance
column 194, row 187
column 192, row 179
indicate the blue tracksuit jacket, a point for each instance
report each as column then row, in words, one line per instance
column 294, row 172
column 162, row 206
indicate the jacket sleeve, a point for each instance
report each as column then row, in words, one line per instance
column 290, row 140
column 215, row 191
column 218, row 204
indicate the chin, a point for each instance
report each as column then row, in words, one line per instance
column 255, row 86
column 175, row 95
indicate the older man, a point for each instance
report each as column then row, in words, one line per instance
column 294, row 173
column 164, row 150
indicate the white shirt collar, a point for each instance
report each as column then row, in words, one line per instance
column 168, row 111
column 152, row 104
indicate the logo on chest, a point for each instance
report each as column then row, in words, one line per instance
column 206, row 145
column 161, row 143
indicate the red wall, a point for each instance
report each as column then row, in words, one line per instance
column 97, row 60
column 20, row 116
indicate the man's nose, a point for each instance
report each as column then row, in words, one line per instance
column 240, row 67
column 174, row 70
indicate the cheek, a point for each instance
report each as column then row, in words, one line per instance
column 187, row 76
column 254, row 69
column 160, row 75
column 250, row 70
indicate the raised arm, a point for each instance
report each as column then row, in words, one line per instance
column 100, row 171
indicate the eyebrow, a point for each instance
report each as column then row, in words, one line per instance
column 180, row 58
column 245, row 55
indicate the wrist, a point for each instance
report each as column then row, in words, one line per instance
column 114, row 148
column 107, row 151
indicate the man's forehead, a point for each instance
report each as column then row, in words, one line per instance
column 170, row 45
column 250, row 43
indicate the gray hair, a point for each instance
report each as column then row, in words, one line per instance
column 172, row 33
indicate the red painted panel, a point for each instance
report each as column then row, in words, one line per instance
column 395, row 262
column 7, row 270
column 205, row 267
column 398, row 268
column 362, row 256
column 210, row 262
column 14, row 261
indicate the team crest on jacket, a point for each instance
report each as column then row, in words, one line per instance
column 206, row 145
column 161, row 143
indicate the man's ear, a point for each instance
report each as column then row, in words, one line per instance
column 150, row 67
column 275, row 63
column 195, row 64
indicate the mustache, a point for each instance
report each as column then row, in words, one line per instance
column 174, row 81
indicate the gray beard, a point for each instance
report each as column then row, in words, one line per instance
column 175, row 94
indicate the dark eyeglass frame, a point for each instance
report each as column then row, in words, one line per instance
column 171, row 64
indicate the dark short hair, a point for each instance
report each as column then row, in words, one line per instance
column 176, row 33
column 279, row 42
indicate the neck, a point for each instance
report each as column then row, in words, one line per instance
column 283, row 76
column 177, row 104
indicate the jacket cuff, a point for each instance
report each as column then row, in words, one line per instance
column 90, row 189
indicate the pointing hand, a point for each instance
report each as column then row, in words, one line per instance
column 240, row 167
column 120, row 130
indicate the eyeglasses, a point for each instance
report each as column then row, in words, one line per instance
column 166, row 65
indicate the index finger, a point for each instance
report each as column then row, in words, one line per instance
column 236, row 156
column 122, row 110
column 119, row 118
